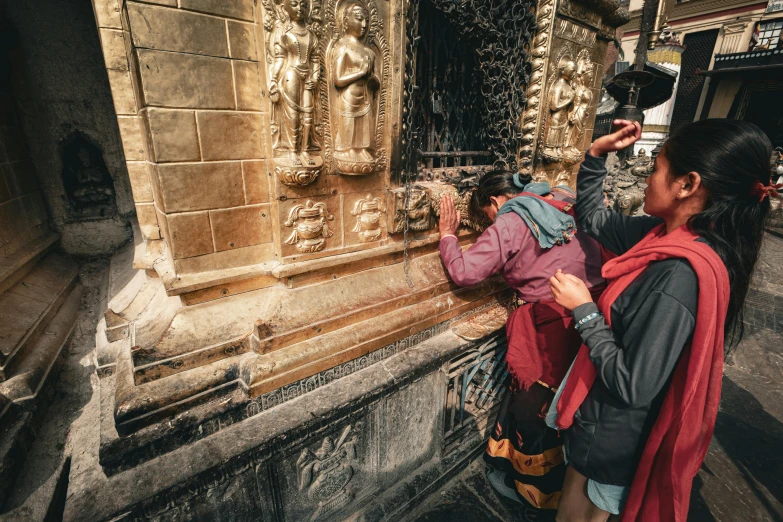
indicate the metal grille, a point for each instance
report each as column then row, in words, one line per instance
column 477, row 383
column 698, row 53
column 449, row 109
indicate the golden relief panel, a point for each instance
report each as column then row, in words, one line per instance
column 293, row 60
column 357, row 65
column 369, row 217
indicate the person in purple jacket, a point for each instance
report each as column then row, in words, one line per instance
column 533, row 235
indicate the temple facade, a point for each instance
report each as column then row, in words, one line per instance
column 281, row 340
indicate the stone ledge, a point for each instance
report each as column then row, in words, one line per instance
column 255, row 440
column 179, row 284
column 15, row 266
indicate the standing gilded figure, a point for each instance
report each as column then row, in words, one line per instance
column 293, row 81
column 353, row 74
column 561, row 98
column 583, row 98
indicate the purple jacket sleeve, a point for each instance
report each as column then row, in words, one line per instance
column 479, row 262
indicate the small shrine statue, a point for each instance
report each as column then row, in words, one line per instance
column 353, row 65
column 624, row 180
column 293, row 79
column 561, row 97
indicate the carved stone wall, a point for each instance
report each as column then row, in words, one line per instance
column 568, row 54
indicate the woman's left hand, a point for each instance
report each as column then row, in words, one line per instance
column 568, row 290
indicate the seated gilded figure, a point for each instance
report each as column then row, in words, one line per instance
column 353, row 75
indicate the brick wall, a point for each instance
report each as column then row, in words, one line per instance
column 186, row 86
column 22, row 212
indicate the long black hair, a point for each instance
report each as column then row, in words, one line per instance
column 731, row 156
column 493, row 184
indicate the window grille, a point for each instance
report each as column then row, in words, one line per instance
column 698, row 54
column 767, row 35
column 478, row 381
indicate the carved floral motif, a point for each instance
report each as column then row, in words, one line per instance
column 310, row 226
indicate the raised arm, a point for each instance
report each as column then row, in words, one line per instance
column 615, row 231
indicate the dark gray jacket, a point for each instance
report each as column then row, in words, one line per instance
column 652, row 320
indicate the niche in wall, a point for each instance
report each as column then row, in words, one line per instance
column 88, row 185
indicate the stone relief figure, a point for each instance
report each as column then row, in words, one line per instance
column 625, row 183
column 368, row 212
column 310, row 226
column 352, row 68
column 326, row 473
column 583, row 97
column 418, row 211
column 293, row 80
column 560, row 99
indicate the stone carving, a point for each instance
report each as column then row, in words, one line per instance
column 310, row 226
column 368, row 212
column 354, row 77
column 418, row 211
column 327, row 472
column 583, row 98
column 294, row 68
column 461, row 203
column 624, row 184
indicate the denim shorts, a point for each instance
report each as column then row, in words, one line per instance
column 605, row 496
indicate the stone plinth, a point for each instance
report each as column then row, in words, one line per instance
column 292, row 292
column 321, row 453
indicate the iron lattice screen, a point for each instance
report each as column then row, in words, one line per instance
column 449, row 107
column 698, row 53
column 478, row 382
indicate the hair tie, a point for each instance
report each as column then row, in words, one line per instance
column 518, row 182
column 763, row 192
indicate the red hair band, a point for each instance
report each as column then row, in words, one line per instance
column 763, row 192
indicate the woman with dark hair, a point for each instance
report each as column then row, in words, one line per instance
column 640, row 401
column 532, row 235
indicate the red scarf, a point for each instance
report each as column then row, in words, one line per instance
column 681, row 435
column 542, row 341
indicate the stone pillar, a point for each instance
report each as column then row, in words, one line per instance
column 657, row 119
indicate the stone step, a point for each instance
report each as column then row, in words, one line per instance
column 28, row 306
column 39, row 366
column 17, row 265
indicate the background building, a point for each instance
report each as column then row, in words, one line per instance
column 731, row 64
